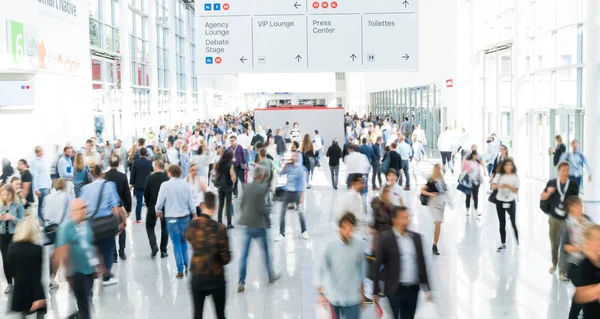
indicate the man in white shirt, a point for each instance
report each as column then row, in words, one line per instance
column 41, row 178
column 445, row 146
column 405, row 152
column 357, row 166
column 352, row 200
column 419, row 135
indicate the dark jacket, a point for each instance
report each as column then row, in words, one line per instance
column 388, row 261
column 376, row 152
column 278, row 140
column 254, row 212
column 558, row 152
column 395, row 160
column 151, row 189
column 120, row 179
column 140, row 170
column 334, row 153
column 548, row 206
column 367, row 151
column 257, row 138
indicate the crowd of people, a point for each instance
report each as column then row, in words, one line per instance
column 188, row 176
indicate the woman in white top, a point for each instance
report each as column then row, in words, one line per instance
column 201, row 159
column 473, row 168
column 54, row 211
column 198, row 186
column 506, row 182
column 436, row 190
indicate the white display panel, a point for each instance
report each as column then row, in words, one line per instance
column 308, row 36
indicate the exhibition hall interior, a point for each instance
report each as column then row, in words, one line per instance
column 300, row 159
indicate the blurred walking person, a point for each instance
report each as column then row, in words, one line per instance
column 120, row 180
column 225, row 181
column 176, row 201
column 334, row 154
column 41, row 179
column 255, row 216
column 294, row 193
column 506, row 183
column 210, row 246
column 400, row 264
column 586, row 278
column 140, row 170
column 11, row 212
column 151, row 190
column 75, row 250
column 25, row 260
column 436, row 190
column 341, row 270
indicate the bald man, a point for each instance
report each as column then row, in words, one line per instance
column 74, row 247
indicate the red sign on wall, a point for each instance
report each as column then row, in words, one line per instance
column 449, row 83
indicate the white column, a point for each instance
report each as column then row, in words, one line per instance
column 188, row 67
column 172, row 43
column 592, row 107
column 519, row 110
column 126, row 94
column 153, row 66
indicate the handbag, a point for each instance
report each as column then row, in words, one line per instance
column 424, row 199
column 51, row 229
column 492, row 199
column 465, row 185
column 106, row 226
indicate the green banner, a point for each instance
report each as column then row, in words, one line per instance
column 17, row 38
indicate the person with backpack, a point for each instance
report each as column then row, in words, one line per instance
column 552, row 203
column 334, row 154
column 309, row 158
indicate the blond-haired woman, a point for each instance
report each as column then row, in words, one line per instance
column 81, row 174
column 11, row 212
column 435, row 190
column 25, row 263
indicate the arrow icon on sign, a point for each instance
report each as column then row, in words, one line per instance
column 405, row 57
column 405, row 3
column 296, row 5
column 353, row 56
column 242, row 59
column 298, row 57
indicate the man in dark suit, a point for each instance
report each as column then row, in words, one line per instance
column 140, row 170
column 151, row 195
column 120, row 179
column 401, row 266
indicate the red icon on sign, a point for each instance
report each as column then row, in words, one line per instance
column 324, row 5
column 316, row 5
column 334, row 4
column 225, row 6
column 449, row 83
column 218, row 60
column 27, row 87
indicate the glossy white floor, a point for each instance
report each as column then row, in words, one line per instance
column 470, row 279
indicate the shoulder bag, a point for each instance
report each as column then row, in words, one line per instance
column 465, row 184
column 106, row 226
column 51, row 228
column 493, row 196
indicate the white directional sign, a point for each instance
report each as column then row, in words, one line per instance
column 242, row 36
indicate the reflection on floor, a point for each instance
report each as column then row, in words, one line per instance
column 470, row 279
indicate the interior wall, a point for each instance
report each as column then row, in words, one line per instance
column 62, row 111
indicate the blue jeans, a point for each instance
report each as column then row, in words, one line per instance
column 177, row 227
column 106, row 247
column 139, row 196
column 350, row 312
column 44, row 192
column 261, row 235
column 578, row 180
